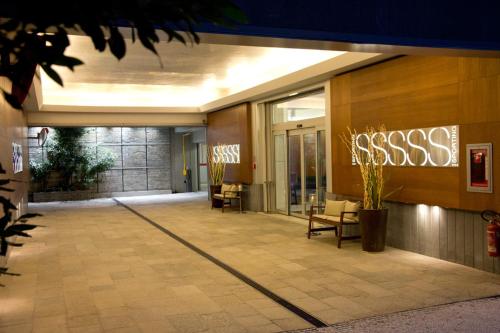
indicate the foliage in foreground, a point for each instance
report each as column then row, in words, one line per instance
column 9, row 228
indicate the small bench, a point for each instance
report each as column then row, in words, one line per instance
column 336, row 214
column 228, row 193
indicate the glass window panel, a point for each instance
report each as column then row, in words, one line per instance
column 300, row 108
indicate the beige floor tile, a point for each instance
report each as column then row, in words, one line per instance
column 85, row 320
column 275, row 312
column 252, row 321
column 100, row 267
column 155, row 326
column 23, row 328
column 86, row 329
column 334, row 316
column 292, row 324
column 265, row 329
column 188, row 323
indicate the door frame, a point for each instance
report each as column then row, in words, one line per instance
column 272, row 182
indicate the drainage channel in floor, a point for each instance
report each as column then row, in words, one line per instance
column 276, row 298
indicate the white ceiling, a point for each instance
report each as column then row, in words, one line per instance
column 190, row 77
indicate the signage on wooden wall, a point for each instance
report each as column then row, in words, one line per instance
column 422, row 147
column 230, row 154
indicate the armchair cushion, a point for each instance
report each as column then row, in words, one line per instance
column 334, row 208
column 351, row 206
column 228, row 191
column 225, row 188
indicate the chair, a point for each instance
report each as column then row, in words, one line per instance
column 336, row 214
column 228, row 193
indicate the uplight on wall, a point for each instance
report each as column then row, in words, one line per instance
column 422, row 147
column 230, row 154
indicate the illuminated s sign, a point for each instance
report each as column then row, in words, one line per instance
column 230, row 154
column 426, row 147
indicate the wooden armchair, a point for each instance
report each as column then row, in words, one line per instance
column 228, row 193
column 335, row 216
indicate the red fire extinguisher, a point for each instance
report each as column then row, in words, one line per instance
column 492, row 232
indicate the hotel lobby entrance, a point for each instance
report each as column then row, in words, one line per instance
column 298, row 153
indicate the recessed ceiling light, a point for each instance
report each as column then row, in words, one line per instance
column 293, row 94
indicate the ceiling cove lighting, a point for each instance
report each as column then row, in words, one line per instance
column 189, row 78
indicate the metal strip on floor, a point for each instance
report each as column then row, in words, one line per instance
column 281, row 301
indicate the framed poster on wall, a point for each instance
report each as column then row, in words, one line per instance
column 479, row 167
column 17, row 157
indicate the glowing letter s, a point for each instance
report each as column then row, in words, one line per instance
column 380, row 148
column 361, row 148
column 437, row 145
column 393, row 146
column 422, row 149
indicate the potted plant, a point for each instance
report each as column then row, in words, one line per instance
column 373, row 216
column 216, row 170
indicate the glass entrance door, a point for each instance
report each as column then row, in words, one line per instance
column 299, row 170
column 302, row 171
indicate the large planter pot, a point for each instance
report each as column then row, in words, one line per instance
column 373, row 224
column 213, row 190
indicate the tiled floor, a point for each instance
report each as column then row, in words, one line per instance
column 98, row 267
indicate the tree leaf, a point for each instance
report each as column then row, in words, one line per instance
column 11, row 232
column 69, row 62
column 15, row 244
column 117, row 43
column 7, row 203
column 53, row 74
column 94, row 31
column 9, row 98
column 30, row 215
column 22, row 227
column 3, row 247
column 147, row 38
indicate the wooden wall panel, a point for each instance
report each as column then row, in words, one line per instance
column 402, row 75
column 479, row 100
column 427, row 108
column 233, row 126
column 417, row 92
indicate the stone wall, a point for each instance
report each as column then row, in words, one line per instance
column 143, row 161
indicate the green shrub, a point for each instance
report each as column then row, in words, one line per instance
column 76, row 163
